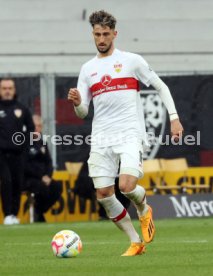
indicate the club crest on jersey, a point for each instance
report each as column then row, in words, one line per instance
column 118, row 67
column 18, row 113
column 106, row 80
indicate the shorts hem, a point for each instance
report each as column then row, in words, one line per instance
column 131, row 171
column 103, row 182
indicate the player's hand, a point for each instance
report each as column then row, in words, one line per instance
column 74, row 96
column 176, row 129
column 46, row 180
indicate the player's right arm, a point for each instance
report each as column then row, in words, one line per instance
column 81, row 109
column 80, row 96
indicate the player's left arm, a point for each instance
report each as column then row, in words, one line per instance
column 164, row 92
column 145, row 74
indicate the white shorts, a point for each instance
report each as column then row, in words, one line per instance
column 104, row 163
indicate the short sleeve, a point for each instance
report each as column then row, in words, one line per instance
column 83, row 87
column 142, row 70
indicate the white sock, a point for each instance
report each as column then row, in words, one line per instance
column 138, row 197
column 119, row 215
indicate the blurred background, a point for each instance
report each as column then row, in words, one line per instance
column 43, row 44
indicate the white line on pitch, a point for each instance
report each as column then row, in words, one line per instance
column 106, row 242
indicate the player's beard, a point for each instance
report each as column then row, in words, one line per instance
column 104, row 51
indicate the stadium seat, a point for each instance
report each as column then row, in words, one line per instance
column 174, row 165
column 172, row 169
column 199, row 183
column 152, row 175
column 178, row 178
column 73, row 167
column 151, row 165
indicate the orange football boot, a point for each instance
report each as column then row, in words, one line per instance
column 135, row 249
column 147, row 226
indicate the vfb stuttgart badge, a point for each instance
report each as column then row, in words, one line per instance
column 118, row 67
column 18, row 113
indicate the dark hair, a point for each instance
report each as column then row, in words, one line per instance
column 102, row 18
column 7, row 79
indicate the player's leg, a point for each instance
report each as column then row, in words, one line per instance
column 100, row 165
column 116, row 212
column 16, row 164
column 6, row 189
column 130, row 171
column 119, row 216
column 136, row 193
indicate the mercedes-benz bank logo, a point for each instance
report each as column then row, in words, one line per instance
column 155, row 120
column 106, row 80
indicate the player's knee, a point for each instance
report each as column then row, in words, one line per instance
column 123, row 186
column 127, row 184
column 105, row 192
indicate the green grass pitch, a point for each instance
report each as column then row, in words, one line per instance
column 181, row 247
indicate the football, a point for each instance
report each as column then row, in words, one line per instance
column 66, row 244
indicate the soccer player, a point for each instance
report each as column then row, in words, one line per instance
column 111, row 80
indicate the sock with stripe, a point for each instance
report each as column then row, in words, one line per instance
column 138, row 197
column 119, row 215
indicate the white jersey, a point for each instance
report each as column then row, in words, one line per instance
column 112, row 83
